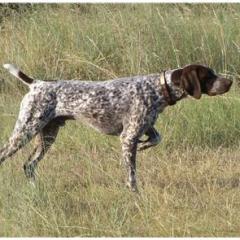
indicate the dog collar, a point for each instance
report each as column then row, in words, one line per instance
column 166, row 91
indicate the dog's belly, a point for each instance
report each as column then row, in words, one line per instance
column 102, row 125
column 107, row 120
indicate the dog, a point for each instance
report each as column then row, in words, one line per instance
column 127, row 107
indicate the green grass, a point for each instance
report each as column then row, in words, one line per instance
column 189, row 184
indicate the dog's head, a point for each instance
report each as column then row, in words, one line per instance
column 198, row 79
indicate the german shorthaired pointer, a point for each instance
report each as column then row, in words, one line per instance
column 127, row 107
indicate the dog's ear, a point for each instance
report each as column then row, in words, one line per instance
column 190, row 81
column 176, row 77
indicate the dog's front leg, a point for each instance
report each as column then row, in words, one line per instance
column 154, row 139
column 129, row 149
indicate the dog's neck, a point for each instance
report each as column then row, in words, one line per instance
column 172, row 92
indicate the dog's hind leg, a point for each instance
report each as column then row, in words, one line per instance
column 17, row 141
column 29, row 123
column 13, row 145
column 44, row 140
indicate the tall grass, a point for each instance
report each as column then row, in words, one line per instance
column 105, row 41
column 189, row 185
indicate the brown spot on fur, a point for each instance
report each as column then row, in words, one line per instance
column 25, row 78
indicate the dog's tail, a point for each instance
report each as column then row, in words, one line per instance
column 13, row 69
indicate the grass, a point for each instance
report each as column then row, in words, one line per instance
column 189, row 184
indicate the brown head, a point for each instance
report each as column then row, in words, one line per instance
column 198, row 79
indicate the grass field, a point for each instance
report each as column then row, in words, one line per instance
column 189, row 184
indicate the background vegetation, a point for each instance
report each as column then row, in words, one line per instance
column 189, row 185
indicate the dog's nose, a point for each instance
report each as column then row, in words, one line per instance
column 225, row 84
column 222, row 85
